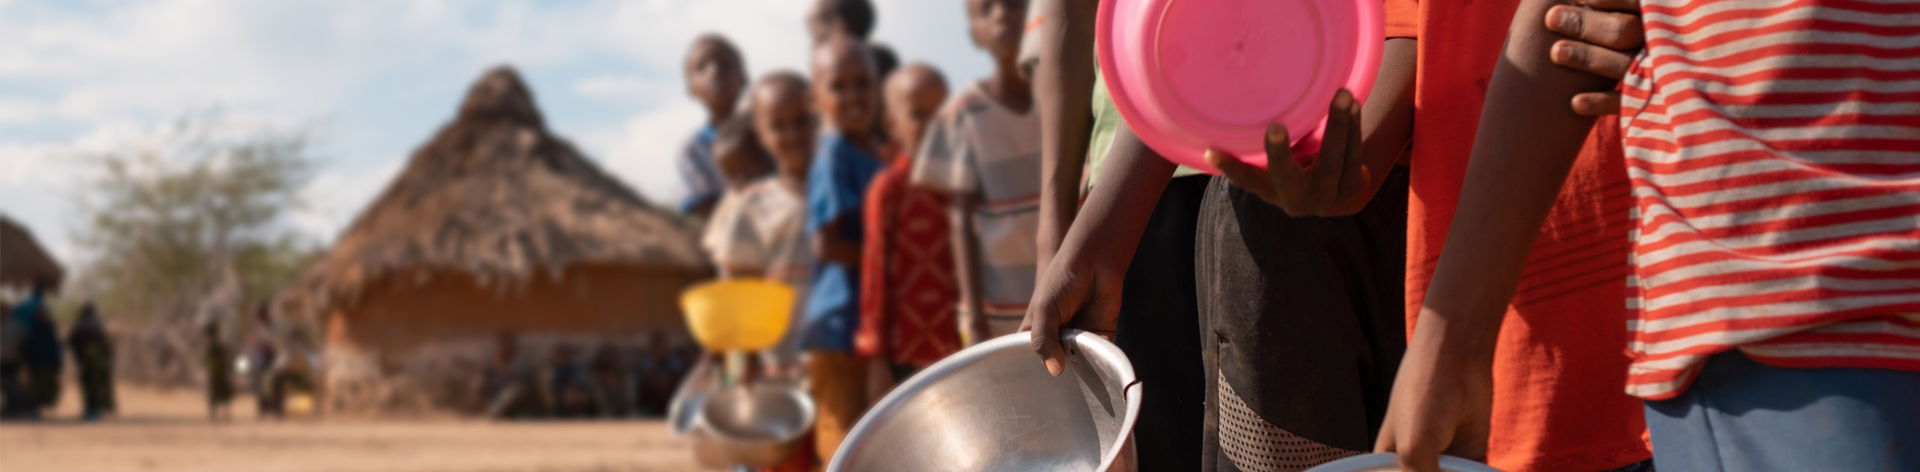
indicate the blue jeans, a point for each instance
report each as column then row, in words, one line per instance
column 1741, row 415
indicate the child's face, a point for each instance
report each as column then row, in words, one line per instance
column 714, row 76
column 996, row 26
column 785, row 125
column 914, row 95
column 844, row 87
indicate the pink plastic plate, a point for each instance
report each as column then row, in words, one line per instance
column 1189, row 75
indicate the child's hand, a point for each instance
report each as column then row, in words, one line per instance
column 1606, row 33
column 1441, row 403
column 1079, row 290
column 1334, row 184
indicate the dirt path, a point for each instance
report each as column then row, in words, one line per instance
column 168, row 431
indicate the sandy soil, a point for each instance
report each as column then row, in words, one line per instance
column 167, row 430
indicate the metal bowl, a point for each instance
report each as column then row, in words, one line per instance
column 993, row 407
column 1386, row 462
column 757, row 425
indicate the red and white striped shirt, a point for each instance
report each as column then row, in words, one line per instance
column 1774, row 148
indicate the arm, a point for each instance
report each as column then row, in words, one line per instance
column 966, row 265
column 1526, row 143
column 1063, row 92
column 1354, row 160
column 1081, row 287
column 831, row 244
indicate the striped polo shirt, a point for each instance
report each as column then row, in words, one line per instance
column 1774, row 149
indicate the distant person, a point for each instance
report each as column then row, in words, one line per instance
column 15, row 401
column 847, row 95
column 264, row 354
column 572, row 390
column 93, row 352
column 984, row 152
column 611, row 381
column 664, row 370
column 764, row 237
column 851, row 18
column 217, row 359
column 508, row 384
column 907, row 290
column 44, row 361
column 716, row 74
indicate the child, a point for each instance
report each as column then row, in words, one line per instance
column 218, row 360
column 984, row 152
column 847, row 95
column 1772, row 192
column 829, row 18
column 93, row 350
column 715, row 75
column 763, row 235
column 741, row 161
column 907, row 292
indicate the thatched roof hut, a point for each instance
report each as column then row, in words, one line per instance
column 22, row 260
column 494, row 226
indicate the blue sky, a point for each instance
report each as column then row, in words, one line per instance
column 374, row 79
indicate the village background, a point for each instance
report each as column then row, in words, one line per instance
column 186, row 160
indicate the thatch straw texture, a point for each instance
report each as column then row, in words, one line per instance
column 22, row 260
column 496, row 196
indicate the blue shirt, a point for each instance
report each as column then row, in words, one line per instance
column 836, row 184
column 698, row 171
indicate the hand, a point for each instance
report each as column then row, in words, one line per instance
column 1079, row 290
column 1441, row 404
column 1335, row 184
column 1606, row 33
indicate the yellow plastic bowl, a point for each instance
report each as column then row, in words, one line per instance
column 740, row 314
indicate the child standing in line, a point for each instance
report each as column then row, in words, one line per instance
column 762, row 234
column 907, row 291
column 716, row 74
column 1772, row 291
column 742, row 161
column 846, row 93
column 984, row 152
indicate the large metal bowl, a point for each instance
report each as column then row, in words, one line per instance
column 992, row 407
column 759, row 424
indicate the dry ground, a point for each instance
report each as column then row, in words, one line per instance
column 167, row 430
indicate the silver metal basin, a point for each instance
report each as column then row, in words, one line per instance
column 757, row 425
column 992, row 407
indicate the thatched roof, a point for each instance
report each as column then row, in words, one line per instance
column 495, row 195
column 22, row 260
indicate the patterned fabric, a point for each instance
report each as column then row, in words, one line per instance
column 836, row 188
column 698, row 172
column 978, row 149
column 1774, row 147
column 1255, row 445
column 907, row 290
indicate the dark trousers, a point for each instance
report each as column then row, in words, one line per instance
column 1159, row 329
column 1302, row 327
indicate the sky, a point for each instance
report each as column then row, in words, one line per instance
column 371, row 80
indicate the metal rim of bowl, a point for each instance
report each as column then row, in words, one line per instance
column 808, row 411
column 1073, row 341
column 1387, row 461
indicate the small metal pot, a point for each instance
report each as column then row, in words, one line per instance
column 993, row 407
column 757, row 425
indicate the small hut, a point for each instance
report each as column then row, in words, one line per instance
column 494, row 226
column 22, row 260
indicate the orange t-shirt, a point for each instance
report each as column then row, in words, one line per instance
column 1559, row 365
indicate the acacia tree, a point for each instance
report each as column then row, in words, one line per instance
column 188, row 229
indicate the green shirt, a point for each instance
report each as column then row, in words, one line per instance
column 1106, row 123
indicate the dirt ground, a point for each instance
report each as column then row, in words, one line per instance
column 167, row 430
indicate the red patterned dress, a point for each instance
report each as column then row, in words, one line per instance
column 907, row 287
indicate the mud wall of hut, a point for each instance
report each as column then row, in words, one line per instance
column 422, row 342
